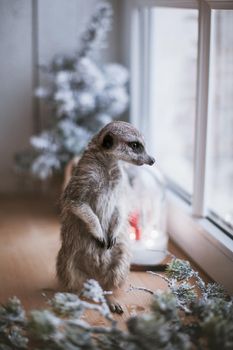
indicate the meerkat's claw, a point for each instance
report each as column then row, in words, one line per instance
column 113, row 304
column 116, row 308
column 101, row 242
column 111, row 242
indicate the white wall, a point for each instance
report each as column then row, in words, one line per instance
column 15, row 84
column 31, row 32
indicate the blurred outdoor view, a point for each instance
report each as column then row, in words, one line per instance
column 174, row 52
column 220, row 155
column 174, row 36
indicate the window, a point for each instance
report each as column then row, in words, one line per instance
column 220, row 152
column 182, row 85
column 173, row 71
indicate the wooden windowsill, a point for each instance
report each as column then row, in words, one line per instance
column 29, row 242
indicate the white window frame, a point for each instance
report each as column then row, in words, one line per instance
column 202, row 240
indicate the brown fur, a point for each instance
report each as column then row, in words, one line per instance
column 94, row 234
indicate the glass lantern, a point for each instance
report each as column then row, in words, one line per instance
column 147, row 217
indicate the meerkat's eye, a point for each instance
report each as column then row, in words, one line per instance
column 136, row 146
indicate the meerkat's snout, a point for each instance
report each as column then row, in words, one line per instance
column 144, row 158
column 151, row 161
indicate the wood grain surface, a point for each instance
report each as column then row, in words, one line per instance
column 29, row 242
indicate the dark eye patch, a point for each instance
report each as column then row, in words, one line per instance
column 136, row 146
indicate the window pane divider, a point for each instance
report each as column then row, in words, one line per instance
column 220, row 4
column 135, row 68
column 144, row 69
column 167, row 3
column 199, row 185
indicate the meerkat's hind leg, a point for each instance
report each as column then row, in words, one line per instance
column 116, row 276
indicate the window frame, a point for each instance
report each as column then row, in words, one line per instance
column 206, row 232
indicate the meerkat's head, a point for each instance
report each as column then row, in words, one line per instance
column 123, row 141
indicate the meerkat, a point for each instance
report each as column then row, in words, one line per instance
column 94, row 220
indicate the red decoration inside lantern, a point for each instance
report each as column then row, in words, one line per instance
column 134, row 222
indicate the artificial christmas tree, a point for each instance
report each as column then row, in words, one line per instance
column 83, row 95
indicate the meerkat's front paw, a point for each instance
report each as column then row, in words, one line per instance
column 111, row 242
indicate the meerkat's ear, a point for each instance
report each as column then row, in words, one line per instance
column 108, row 141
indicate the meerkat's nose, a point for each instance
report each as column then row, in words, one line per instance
column 151, row 161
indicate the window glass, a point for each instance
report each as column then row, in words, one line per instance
column 173, row 57
column 220, row 150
